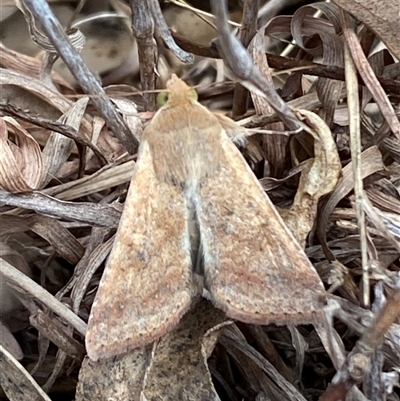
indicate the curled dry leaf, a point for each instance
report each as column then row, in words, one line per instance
column 21, row 163
column 381, row 17
column 176, row 368
column 319, row 177
column 58, row 147
column 330, row 48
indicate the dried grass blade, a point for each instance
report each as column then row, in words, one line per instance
column 14, row 378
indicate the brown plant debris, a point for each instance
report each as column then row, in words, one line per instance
column 314, row 90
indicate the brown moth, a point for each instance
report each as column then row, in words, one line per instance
column 254, row 269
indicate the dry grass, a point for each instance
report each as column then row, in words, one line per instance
column 68, row 152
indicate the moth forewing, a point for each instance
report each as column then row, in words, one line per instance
column 146, row 285
column 254, row 268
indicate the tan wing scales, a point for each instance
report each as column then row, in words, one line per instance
column 146, row 286
column 254, row 269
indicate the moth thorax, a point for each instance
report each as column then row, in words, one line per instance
column 186, row 167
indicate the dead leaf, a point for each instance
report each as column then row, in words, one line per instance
column 118, row 379
column 178, row 368
column 319, row 177
column 381, row 17
column 21, row 163
column 58, row 147
column 175, row 368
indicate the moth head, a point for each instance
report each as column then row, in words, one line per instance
column 163, row 97
column 177, row 91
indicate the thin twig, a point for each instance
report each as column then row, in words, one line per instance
column 56, row 126
column 55, row 32
column 21, row 280
column 358, row 360
column 239, row 61
column 247, row 32
column 286, row 64
column 162, row 28
column 84, row 212
column 143, row 29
